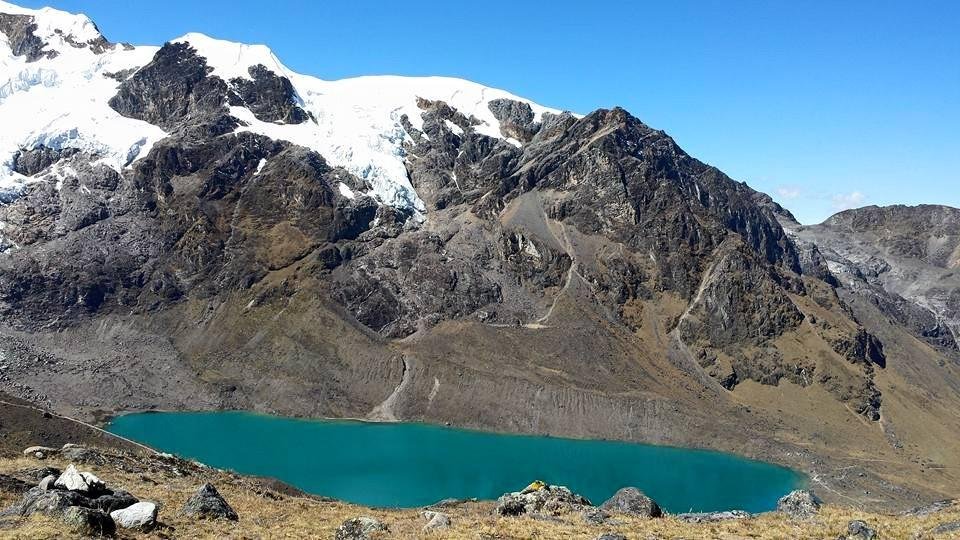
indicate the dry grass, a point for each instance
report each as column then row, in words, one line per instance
column 266, row 514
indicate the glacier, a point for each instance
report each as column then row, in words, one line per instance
column 356, row 123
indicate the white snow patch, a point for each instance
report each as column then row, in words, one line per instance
column 457, row 130
column 231, row 60
column 260, row 166
column 346, row 191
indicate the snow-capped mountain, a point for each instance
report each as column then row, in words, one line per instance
column 193, row 225
column 57, row 97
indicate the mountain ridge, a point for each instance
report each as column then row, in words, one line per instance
column 466, row 257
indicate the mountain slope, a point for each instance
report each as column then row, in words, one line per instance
column 428, row 249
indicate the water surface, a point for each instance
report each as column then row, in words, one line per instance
column 408, row 465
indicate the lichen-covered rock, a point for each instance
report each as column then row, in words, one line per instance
column 39, row 452
column 630, row 500
column 711, row 517
column 361, row 528
column 799, row 504
column 52, row 502
column 540, row 498
column 140, row 516
column 207, row 503
column 115, row 500
column 89, row 522
column 436, row 520
column 859, row 530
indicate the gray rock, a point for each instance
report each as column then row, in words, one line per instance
column 116, row 500
column 436, row 520
column 859, row 530
column 927, row 509
column 81, row 454
column 799, row 504
column 141, row 516
column 711, row 517
column 207, row 503
column 611, row 536
column 48, row 482
column 595, row 516
column 38, row 474
column 953, row 526
column 89, row 522
column 39, row 452
column 540, row 498
column 360, row 528
column 630, row 500
column 51, row 503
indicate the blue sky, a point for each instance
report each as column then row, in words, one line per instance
column 822, row 104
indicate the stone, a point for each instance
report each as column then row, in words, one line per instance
column 89, row 522
column 82, row 482
column 953, row 526
column 595, row 516
column 711, row 517
column 799, row 504
column 51, row 503
column 859, row 530
column 630, row 500
column 48, row 482
column 540, row 498
column 611, row 536
column 207, row 503
column 360, row 528
column 141, row 516
column 436, row 520
column 117, row 500
column 38, row 474
column 39, row 452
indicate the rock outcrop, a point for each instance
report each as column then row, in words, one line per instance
column 799, row 504
column 540, row 498
column 207, row 503
column 632, row 501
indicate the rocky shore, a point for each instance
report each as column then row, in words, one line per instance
column 78, row 491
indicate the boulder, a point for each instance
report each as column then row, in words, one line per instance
column 48, row 482
column 81, row 454
column 360, row 528
column 39, row 473
column 944, row 528
column 82, row 482
column 39, row 452
column 51, row 503
column 712, row 517
column 436, row 520
column 540, row 498
column 630, row 500
column 799, row 504
column 141, row 516
column 611, row 536
column 116, row 500
column 207, row 503
column 89, row 522
column 595, row 516
column 859, row 530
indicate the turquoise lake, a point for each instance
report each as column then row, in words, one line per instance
column 409, row 465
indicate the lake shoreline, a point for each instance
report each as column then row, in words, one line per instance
column 507, row 459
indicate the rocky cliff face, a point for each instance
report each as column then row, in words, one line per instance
column 458, row 254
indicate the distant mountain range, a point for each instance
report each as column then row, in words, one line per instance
column 195, row 226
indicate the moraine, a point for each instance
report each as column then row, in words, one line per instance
column 409, row 465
